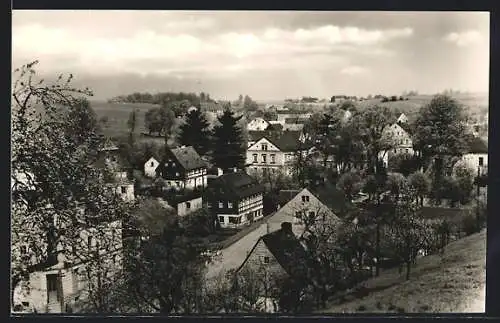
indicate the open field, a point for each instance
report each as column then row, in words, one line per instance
column 454, row 282
column 118, row 113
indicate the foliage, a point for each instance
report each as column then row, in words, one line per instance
column 62, row 197
column 249, row 104
column 408, row 233
column 165, row 263
column 396, row 183
column 350, row 183
column 228, row 149
column 194, row 132
column 440, row 130
column 160, row 120
column 405, row 164
column 420, row 184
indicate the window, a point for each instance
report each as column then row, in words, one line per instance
column 311, row 215
column 263, row 146
column 407, row 150
column 266, row 260
column 305, row 198
column 297, row 214
column 273, row 159
column 176, row 174
column 124, row 189
column 229, row 205
column 23, row 250
column 188, row 205
column 152, row 164
column 209, row 204
column 221, row 219
column 221, row 205
column 255, row 158
column 234, row 220
column 264, row 158
column 177, row 183
column 481, row 161
column 90, row 241
column 401, row 142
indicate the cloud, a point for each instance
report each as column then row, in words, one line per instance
column 354, row 70
column 464, row 38
column 174, row 48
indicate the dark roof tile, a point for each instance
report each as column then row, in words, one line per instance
column 188, row 158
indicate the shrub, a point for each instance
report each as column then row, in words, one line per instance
column 361, row 308
column 470, row 224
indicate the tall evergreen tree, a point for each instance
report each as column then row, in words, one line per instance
column 194, row 132
column 228, row 150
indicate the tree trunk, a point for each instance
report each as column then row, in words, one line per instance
column 408, row 268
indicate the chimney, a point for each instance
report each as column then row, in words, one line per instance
column 286, row 227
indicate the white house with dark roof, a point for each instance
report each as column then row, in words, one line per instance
column 295, row 205
column 399, row 136
column 476, row 156
column 182, row 168
column 236, row 199
column 275, row 152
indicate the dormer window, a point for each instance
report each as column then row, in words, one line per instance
column 305, row 198
column 264, row 146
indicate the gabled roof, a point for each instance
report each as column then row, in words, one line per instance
column 406, row 127
column 236, row 185
column 330, row 196
column 290, row 141
column 477, row 146
column 256, row 135
column 288, row 252
column 108, row 145
column 285, row 196
column 188, row 158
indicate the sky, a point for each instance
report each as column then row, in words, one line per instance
column 269, row 55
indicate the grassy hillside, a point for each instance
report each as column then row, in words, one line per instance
column 118, row 114
column 454, row 282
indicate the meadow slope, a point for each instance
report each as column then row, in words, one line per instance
column 454, row 282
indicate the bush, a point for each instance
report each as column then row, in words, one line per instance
column 470, row 224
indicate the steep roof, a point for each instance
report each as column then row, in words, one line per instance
column 256, row 135
column 330, row 196
column 236, row 185
column 108, row 145
column 477, row 146
column 285, row 196
column 188, row 158
column 406, row 127
column 290, row 141
column 288, row 252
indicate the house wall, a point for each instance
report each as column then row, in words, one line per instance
column 243, row 209
column 257, row 261
column 257, row 124
column 288, row 212
column 195, row 204
column 150, row 167
column 472, row 161
column 109, row 237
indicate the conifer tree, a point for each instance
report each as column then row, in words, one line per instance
column 228, row 144
column 194, row 132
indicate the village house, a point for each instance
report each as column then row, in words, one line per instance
column 182, row 168
column 276, row 256
column 296, row 205
column 63, row 265
column 296, row 115
column 150, row 167
column 117, row 171
column 236, row 199
column 402, row 118
column 476, row 157
column 399, row 137
column 257, row 124
column 276, row 152
column 185, row 203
